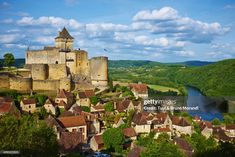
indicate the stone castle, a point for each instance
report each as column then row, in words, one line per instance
column 59, row 66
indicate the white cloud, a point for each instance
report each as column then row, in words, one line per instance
column 10, row 38
column 57, row 22
column 165, row 13
column 7, row 21
column 185, row 53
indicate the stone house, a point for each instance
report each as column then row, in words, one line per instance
column 140, row 123
column 28, row 105
column 159, row 131
column 161, row 120
column 130, row 133
column 219, row 134
column 206, row 128
column 184, row 146
column 7, row 106
column 118, row 121
column 96, row 143
column 181, row 126
column 74, row 124
column 83, row 100
column 124, row 106
column 137, row 105
column 230, row 129
column 139, row 90
column 93, row 123
column 67, row 97
column 50, row 106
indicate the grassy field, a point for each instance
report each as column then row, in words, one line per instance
column 163, row 88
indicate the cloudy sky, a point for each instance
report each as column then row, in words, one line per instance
column 159, row 30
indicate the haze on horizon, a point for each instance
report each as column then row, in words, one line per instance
column 164, row 30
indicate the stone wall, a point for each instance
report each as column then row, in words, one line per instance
column 46, row 84
column 39, row 71
column 4, row 81
column 57, row 71
column 20, row 83
column 99, row 71
column 65, row 83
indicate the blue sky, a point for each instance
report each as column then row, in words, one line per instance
column 159, row 30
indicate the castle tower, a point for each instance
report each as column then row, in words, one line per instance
column 99, row 71
column 64, row 40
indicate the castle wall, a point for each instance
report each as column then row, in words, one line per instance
column 4, row 81
column 65, row 83
column 83, row 66
column 20, row 83
column 99, row 71
column 46, row 84
column 39, row 71
column 57, row 71
column 45, row 56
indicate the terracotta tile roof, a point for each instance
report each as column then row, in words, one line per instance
column 51, row 122
column 196, row 118
column 62, row 103
column 99, row 107
column 5, row 107
column 135, row 152
column 77, row 109
column 184, row 145
column 162, row 130
column 64, row 94
column 50, row 102
column 89, row 93
column 129, row 132
column 99, row 139
column 140, row 88
column 29, row 101
column 205, row 124
column 140, row 118
column 136, row 103
column 219, row 133
column 72, row 121
column 67, row 114
column 64, row 34
column 123, row 105
column 180, row 121
column 230, row 127
column 70, row 141
column 82, row 95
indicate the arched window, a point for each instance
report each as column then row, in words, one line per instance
column 56, row 62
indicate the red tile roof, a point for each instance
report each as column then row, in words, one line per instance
column 219, row 133
column 230, row 127
column 123, row 105
column 140, row 118
column 140, row 88
column 180, row 121
column 129, row 132
column 184, row 145
column 29, row 101
column 205, row 124
column 70, row 141
column 72, row 121
column 89, row 93
column 99, row 139
column 5, row 107
column 135, row 152
column 64, row 94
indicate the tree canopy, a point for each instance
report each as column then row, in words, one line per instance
column 28, row 135
column 9, row 59
column 113, row 139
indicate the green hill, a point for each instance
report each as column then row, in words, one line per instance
column 216, row 79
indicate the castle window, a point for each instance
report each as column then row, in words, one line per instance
column 56, row 62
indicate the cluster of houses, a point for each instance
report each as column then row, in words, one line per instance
column 76, row 128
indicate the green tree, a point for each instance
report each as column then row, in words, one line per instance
column 228, row 119
column 94, row 100
column 86, row 108
column 113, row 139
column 109, row 107
column 42, row 114
column 163, row 137
column 145, row 141
column 28, row 135
column 41, row 99
column 9, row 59
column 215, row 121
column 163, row 149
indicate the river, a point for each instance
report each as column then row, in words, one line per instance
column 207, row 106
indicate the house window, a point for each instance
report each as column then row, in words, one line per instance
column 29, row 106
column 56, row 62
column 73, row 130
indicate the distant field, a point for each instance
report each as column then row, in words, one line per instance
column 163, row 88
